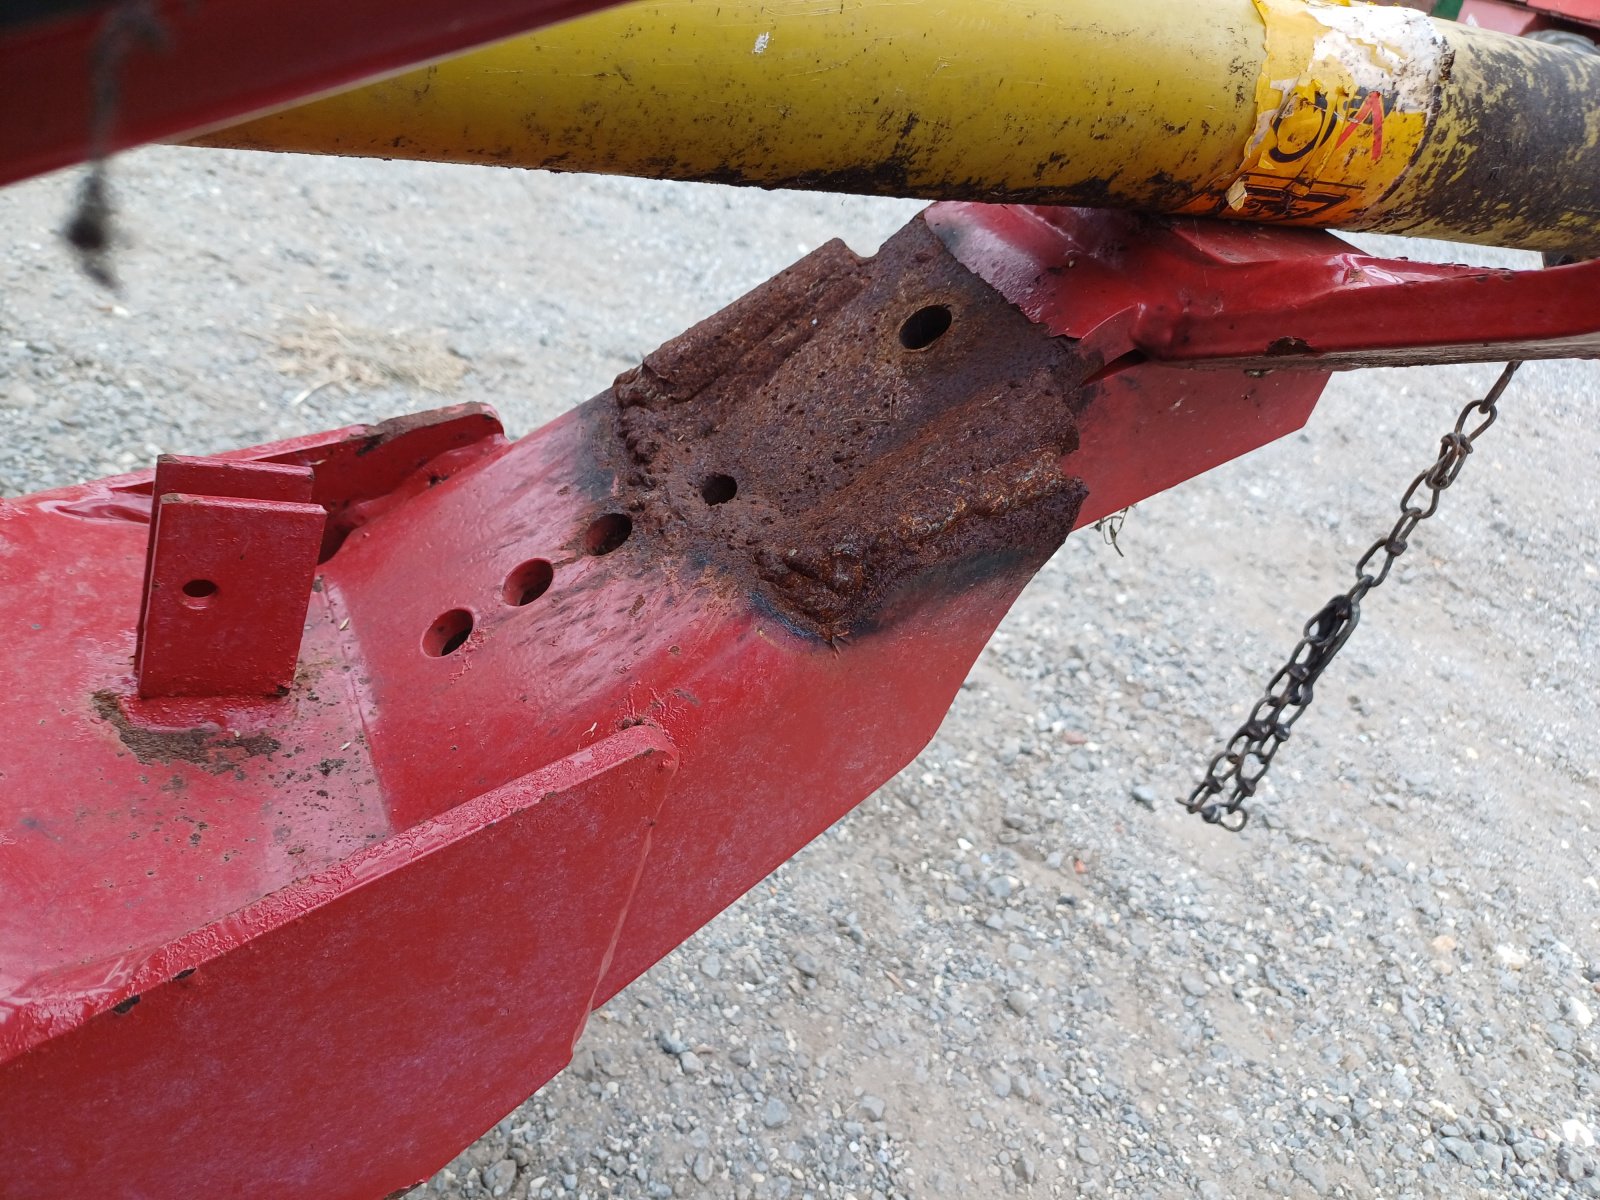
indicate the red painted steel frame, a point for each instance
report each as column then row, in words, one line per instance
column 1213, row 294
column 232, row 948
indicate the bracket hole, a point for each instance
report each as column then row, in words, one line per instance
column 606, row 533
column 925, row 327
column 718, row 489
column 528, row 582
column 448, row 634
column 197, row 593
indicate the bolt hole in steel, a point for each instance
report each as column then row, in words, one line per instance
column 197, row 593
column 606, row 533
column 528, row 582
column 925, row 327
column 448, row 634
column 718, row 489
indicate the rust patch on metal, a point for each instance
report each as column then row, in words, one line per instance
column 213, row 750
column 852, row 428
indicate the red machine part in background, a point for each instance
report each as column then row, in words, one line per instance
column 1532, row 16
column 97, row 77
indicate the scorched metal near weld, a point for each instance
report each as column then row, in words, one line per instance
column 852, row 427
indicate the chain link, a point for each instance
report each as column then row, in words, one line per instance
column 1242, row 764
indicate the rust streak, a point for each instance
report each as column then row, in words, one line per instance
column 214, row 750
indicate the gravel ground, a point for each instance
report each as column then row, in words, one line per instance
column 1018, row 968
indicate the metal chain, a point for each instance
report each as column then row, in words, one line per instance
column 1245, row 760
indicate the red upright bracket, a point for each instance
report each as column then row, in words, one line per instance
column 233, row 546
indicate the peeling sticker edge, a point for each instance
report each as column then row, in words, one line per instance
column 1345, row 101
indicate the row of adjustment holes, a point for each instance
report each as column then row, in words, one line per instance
column 525, row 584
column 533, row 578
column 606, row 533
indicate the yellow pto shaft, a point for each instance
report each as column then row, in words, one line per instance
column 1319, row 113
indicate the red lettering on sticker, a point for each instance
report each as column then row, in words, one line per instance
column 1370, row 112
